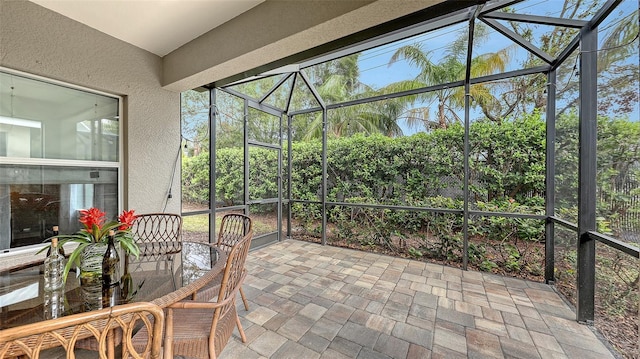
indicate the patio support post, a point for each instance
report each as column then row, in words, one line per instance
column 212, row 165
column 323, row 184
column 587, row 142
column 280, row 167
column 467, row 115
column 289, row 154
column 289, row 163
column 246, row 156
column 550, row 191
column 324, row 175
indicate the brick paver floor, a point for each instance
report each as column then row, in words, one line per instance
column 313, row 301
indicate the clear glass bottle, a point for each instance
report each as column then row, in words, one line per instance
column 53, row 268
column 110, row 263
column 55, row 234
column 53, row 303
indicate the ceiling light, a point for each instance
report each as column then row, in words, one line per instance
column 20, row 122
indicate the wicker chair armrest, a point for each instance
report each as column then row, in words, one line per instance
column 30, row 339
column 192, row 304
column 211, row 289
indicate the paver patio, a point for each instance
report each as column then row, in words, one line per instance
column 313, row 301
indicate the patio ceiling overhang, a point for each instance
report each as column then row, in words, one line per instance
column 242, row 48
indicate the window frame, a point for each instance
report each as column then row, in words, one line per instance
column 24, row 161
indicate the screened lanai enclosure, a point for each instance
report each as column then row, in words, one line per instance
column 501, row 137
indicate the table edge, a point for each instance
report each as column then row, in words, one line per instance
column 185, row 291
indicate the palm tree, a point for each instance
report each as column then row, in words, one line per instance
column 618, row 67
column 338, row 81
column 617, row 60
column 450, row 68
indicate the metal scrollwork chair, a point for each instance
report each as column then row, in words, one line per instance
column 32, row 340
column 159, row 237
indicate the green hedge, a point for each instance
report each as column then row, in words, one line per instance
column 507, row 165
column 506, row 160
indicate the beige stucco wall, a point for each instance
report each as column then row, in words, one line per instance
column 38, row 41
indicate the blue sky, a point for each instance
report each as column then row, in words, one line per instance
column 376, row 71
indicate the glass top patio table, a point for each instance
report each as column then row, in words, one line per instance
column 23, row 300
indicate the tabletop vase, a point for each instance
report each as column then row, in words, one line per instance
column 91, row 263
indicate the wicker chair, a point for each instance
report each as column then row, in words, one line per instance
column 233, row 228
column 32, row 340
column 159, row 237
column 202, row 329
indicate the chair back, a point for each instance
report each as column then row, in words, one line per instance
column 233, row 228
column 31, row 339
column 184, row 335
column 234, row 271
column 157, row 234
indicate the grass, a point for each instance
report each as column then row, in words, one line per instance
column 200, row 223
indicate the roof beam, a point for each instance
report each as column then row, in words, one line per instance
column 535, row 19
column 518, row 39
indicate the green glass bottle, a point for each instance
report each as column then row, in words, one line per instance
column 110, row 263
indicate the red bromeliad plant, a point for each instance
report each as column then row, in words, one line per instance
column 96, row 231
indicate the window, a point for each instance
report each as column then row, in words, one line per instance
column 59, row 153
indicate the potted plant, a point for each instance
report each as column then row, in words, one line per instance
column 92, row 241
